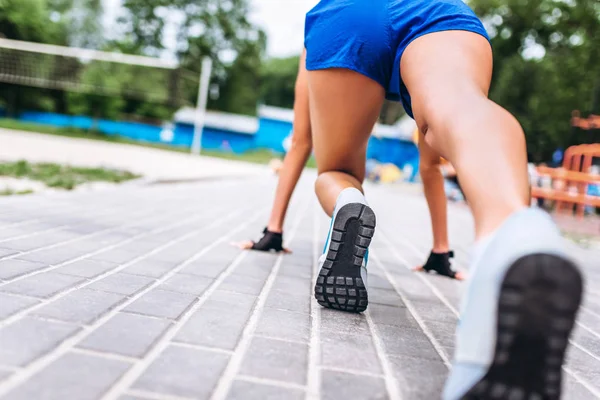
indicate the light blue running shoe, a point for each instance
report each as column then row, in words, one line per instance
column 517, row 315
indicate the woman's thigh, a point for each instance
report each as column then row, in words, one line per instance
column 344, row 106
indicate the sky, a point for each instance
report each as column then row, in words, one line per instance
column 282, row 20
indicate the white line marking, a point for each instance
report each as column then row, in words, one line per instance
column 587, row 328
column 200, row 347
column 44, row 361
column 233, row 367
column 155, row 396
column 11, row 319
column 270, row 382
column 352, row 372
column 101, row 354
column 441, row 297
column 130, row 377
column 92, row 253
column 314, row 350
column 591, row 312
column 390, row 381
column 437, row 346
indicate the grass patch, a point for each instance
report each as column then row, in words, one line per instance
column 260, row 156
column 56, row 130
column 60, row 176
column 8, row 192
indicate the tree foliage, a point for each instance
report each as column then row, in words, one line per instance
column 547, row 64
column 29, row 20
column 215, row 28
column 546, row 56
column 240, row 90
column 278, row 81
column 185, row 29
column 81, row 21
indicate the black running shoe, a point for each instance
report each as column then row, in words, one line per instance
column 342, row 280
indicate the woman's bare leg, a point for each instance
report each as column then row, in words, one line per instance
column 523, row 283
column 295, row 159
column 340, row 141
column 433, row 187
column 344, row 107
column 483, row 141
column 300, row 150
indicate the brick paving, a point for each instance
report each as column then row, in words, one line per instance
column 136, row 293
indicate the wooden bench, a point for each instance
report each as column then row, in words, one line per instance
column 572, row 191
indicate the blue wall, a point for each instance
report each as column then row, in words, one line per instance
column 270, row 135
column 214, row 139
column 132, row 130
column 183, row 134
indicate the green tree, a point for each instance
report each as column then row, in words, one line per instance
column 29, row 20
column 81, row 21
column 62, row 22
column 215, row 28
column 278, row 78
column 240, row 90
column 99, row 105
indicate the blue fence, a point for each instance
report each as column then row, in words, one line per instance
column 272, row 133
column 214, row 139
column 269, row 135
column 132, row 130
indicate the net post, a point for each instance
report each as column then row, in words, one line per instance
column 201, row 104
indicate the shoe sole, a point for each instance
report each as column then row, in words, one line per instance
column 538, row 304
column 339, row 284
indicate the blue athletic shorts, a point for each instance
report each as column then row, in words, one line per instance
column 369, row 36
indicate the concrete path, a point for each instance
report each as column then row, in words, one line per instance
column 152, row 164
column 135, row 293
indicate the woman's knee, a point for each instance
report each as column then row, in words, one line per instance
column 326, row 180
column 322, row 182
column 343, row 158
column 356, row 174
column 428, row 170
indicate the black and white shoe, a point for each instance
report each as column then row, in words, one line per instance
column 342, row 280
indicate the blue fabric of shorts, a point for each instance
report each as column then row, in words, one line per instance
column 370, row 36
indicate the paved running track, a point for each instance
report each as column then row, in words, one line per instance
column 136, row 293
